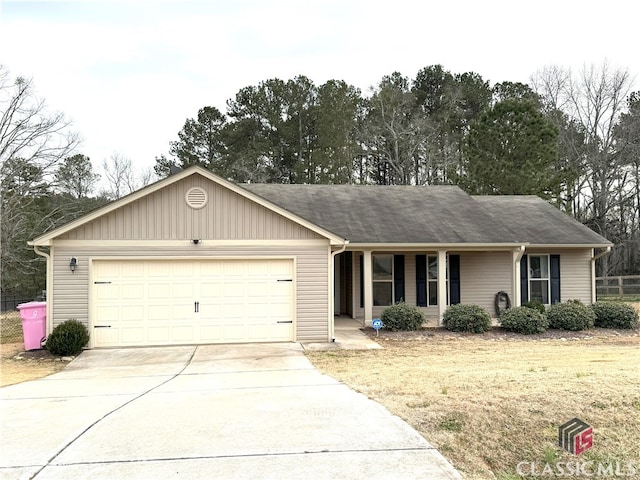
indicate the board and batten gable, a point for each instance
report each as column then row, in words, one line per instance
column 160, row 226
column 165, row 215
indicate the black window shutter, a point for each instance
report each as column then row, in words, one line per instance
column 555, row 278
column 361, row 281
column 524, row 280
column 454, row 279
column 421, row 280
column 398, row 277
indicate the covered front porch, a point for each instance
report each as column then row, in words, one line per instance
column 368, row 280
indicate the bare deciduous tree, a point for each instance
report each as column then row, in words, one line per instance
column 122, row 178
column 28, row 130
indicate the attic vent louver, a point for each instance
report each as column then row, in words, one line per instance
column 196, row 197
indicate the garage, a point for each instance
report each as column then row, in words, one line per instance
column 191, row 301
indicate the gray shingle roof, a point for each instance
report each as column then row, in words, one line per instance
column 538, row 222
column 390, row 214
column 427, row 214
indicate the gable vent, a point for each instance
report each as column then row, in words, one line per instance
column 196, row 197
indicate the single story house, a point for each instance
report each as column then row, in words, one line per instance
column 194, row 258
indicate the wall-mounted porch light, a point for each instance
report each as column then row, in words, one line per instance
column 73, row 263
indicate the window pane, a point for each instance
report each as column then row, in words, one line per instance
column 540, row 291
column 544, row 267
column 433, row 293
column 433, row 267
column 382, row 293
column 538, row 266
column 383, row 267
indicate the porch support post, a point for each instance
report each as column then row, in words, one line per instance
column 515, row 287
column 442, row 284
column 368, row 287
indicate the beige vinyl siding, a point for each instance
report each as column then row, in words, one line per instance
column 164, row 215
column 482, row 275
column 71, row 290
column 575, row 272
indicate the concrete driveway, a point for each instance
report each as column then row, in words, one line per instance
column 219, row 411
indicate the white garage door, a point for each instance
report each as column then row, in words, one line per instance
column 192, row 302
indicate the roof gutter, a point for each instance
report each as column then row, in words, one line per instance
column 594, row 257
column 436, row 246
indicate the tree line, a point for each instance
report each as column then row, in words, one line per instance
column 572, row 138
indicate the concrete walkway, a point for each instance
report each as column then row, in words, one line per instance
column 218, row 411
column 347, row 335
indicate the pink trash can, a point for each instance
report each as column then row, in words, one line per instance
column 34, row 328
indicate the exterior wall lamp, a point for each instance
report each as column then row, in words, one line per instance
column 73, row 263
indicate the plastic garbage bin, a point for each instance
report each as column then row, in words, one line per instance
column 34, row 329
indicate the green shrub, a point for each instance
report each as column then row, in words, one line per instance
column 615, row 315
column 68, row 338
column 571, row 315
column 402, row 316
column 536, row 305
column 524, row 319
column 467, row 318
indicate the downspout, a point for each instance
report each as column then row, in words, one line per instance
column 332, row 293
column 593, row 271
column 48, row 286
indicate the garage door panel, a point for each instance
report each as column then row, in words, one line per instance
column 154, row 302
column 182, row 333
column 132, row 335
column 234, row 333
column 132, row 270
column 108, row 292
column 158, row 335
column 106, row 336
column 159, row 290
column 132, row 313
column 133, row 291
column 156, row 313
column 210, row 333
column 158, row 269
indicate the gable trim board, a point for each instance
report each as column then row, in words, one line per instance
column 308, row 237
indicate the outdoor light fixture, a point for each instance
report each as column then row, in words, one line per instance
column 195, row 241
column 73, row 264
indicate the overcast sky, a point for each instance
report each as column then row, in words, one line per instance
column 129, row 73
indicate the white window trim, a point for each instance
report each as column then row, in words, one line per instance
column 435, row 280
column 390, row 280
column 540, row 279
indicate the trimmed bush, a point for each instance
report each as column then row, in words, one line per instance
column 467, row 318
column 525, row 320
column 615, row 315
column 536, row 305
column 68, row 338
column 402, row 316
column 571, row 315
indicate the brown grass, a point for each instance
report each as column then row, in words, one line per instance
column 17, row 366
column 490, row 401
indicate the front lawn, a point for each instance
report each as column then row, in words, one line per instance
column 488, row 402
